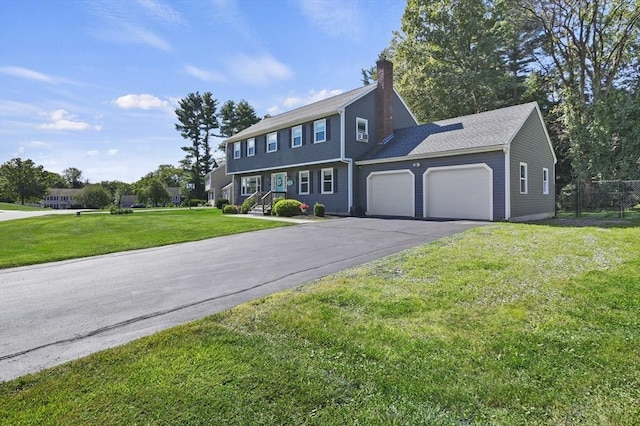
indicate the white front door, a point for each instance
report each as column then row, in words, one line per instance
column 279, row 182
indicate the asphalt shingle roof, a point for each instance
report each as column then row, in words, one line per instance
column 300, row 115
column 486, row 129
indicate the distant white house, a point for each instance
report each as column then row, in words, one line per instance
column 62, row 198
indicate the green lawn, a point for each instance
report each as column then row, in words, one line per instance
column 16, row 206
column 60, row 237
column 506, row 324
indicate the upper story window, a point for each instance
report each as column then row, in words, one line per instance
column 327, row 181
column 251, row 147
column 272, row 142
column 303, row 182
column 296, row 136
column 362, row 129
column 545, row 180
column 237, row 149
column 320, row 130
column 524, row 184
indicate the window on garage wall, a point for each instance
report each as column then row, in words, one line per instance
column 524, row 180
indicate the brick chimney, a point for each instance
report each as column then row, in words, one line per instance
column 384, row 100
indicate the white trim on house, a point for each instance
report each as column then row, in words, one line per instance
column 425, row 186
column 507, row 183
column 372, row 175
column 316, row 139
column 300, row 191
column 237, row 150
column 243, row 187
column 523, row 179
column 322, row 181
column 251, row 144
column 362, row 135
column 289, row 166
column 293, row 137
column 545, row 181
column 432, row 155
column 269, row 136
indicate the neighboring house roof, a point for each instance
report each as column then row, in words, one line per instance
column 219, row 176
column 173, row 191
column 300, row 115
column 484, row 131
column 64, row 192
column 128, row 199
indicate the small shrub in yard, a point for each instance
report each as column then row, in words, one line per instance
column 273, row 205
column 247, row 204
column 318, row 210
column 221, row 202
column 230, row 209
column 287, row 208
column 118, row 210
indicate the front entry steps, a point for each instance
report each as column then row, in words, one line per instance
column 260, row 209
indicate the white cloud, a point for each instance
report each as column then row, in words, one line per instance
column 123, row 23
column 337, row 18
column 27, row 74
column 112, row 152
column 92, row 152
column 62, row 120
column 162, row 12
column 311, row 97
column 204, row 75
column 259, row 70
column 37, row 145
column 142, row 101
column 136, row 35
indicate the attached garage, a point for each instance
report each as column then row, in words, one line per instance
column 459, row 192
column 391, row 193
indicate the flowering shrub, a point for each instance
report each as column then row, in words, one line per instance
column 304, row 206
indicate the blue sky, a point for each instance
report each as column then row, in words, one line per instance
column 94, row 84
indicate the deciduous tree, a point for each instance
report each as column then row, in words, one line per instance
column 23, row 180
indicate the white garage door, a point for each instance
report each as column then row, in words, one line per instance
column 460, row 192
column 391, row 193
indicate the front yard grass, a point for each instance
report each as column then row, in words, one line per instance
column 505, row 324
column 59, row 237
column 20, row 207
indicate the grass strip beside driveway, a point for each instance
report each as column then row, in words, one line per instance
column 60, row 237
column 504, row 324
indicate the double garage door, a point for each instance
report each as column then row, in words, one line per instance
column 455, row 192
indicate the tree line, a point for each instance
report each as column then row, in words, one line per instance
column 577, row 58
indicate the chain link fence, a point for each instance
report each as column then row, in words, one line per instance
column 604, row 198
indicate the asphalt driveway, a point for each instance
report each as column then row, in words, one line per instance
column 57, row 312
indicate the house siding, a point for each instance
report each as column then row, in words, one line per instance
column 494, row 159
column 309, row 152
column 336, row 203
column 530, row 146
column 365, row 107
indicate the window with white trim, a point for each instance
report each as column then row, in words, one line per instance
column 327, row 181
column 362, row 129
column 237, row 150
column 250, row 184
column 303, row 182
column 320, row 130
column 251, row 147
column 545, row 180
column 524, row 183
column 272, row 142
column 296, row 136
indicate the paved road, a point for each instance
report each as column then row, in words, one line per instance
column 56, row 312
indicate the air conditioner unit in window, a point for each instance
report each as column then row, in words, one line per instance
column 363, row 136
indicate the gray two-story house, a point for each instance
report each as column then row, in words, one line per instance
column 363, row 153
